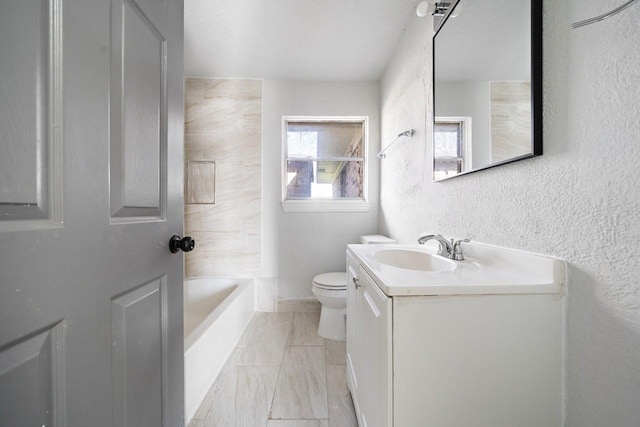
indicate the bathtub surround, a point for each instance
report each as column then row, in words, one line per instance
column 579, row 201
column 298, row 245
column 300, row 381
column 223, row 124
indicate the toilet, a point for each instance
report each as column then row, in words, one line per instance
column 330, row 289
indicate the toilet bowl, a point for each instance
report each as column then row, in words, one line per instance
column 330, row 289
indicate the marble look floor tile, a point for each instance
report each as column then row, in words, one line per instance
column 309, row 389
column 265, row 340
column 341, row 411
column 335, row 352
column 245, row 398
column 264, row 323
column 302, row 388
column 226, row 375
column 296, row 423
column 305, row 329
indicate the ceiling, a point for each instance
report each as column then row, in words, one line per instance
column 322, row 40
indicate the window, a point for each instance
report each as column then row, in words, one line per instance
column 451, row 146
column 324, row 166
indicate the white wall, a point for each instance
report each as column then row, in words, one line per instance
column 296, row 246
column 579, row 201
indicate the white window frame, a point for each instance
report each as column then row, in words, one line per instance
column 328, row 204
column 467, row 158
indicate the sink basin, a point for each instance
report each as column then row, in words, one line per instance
column 414, row 260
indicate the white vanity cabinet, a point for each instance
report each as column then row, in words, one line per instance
column 463, row 360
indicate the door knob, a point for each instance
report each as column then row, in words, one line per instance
column 186, row 244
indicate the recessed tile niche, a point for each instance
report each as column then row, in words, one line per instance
column 200, row 182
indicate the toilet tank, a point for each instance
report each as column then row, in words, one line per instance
column 375, row 239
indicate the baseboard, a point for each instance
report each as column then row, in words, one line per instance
column 297, row 304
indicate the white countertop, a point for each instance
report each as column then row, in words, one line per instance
column 487, row 270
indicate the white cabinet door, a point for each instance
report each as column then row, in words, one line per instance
column 374, row 368
column 91, row 129
column 352, row 326
column 478, row 360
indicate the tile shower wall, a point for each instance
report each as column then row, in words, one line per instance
column 223, row 124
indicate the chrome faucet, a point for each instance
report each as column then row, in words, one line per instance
column 445, row 246
column 450, row 249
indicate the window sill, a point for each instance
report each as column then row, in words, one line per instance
column 324, row 205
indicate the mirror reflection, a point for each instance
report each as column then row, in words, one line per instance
column 483, row 104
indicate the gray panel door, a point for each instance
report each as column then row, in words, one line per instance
column 91, row 126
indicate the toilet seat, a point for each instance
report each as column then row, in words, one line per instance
column 331, row 281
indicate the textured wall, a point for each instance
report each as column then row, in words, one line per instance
column 299, row 245
column 579, row 201
column 223, row 123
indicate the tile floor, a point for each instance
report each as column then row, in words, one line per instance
column 281, row 374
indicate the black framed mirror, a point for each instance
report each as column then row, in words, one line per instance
column 487, row 85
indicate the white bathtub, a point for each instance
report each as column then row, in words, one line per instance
column 216, row 313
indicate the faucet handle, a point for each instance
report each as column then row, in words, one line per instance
column 456, row 249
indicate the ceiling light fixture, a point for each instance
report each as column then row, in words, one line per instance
column 424, row 8
column 430, row 7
